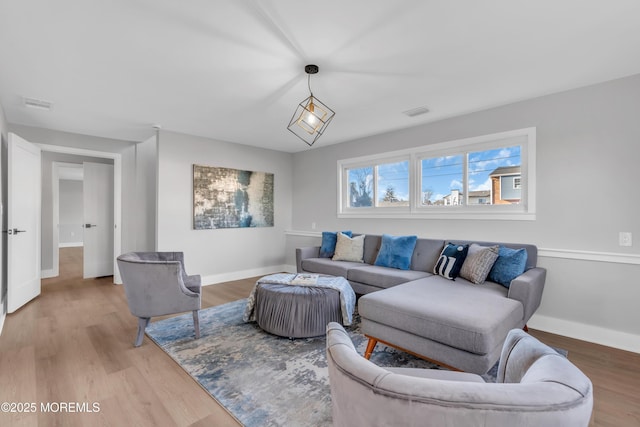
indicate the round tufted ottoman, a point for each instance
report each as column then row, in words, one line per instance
column 296, row 311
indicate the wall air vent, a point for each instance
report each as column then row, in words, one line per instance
column 38, row 103
column 416, row 111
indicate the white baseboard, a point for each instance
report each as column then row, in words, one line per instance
column 584, row 332
column 70, row 245
column 46, row 274
column 243, row 274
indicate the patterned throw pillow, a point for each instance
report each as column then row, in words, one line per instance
column 349, row 249
column 329, row 240
column 478, row 263
column 451, row 260
column 510, row 264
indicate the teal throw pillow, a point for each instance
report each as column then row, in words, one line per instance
column 329, row 239
column 509, row 265
column 451, row 260
column 396, row 251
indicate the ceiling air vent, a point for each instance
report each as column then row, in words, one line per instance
column 38, row 103
column 416, row 111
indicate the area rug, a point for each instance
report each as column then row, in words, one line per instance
column 262, row 379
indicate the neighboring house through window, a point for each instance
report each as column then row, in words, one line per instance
column 505, row 185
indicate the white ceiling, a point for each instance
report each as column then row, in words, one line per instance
column 233, row 70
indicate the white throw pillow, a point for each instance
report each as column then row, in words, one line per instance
column 349, row 248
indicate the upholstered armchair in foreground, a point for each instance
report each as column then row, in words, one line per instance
column 156, row 284
column 535, row 387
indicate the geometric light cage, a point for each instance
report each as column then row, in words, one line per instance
column 310, row 119
column 312, row 116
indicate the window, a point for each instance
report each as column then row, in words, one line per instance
column 360, row 187
column 491, row 176
column 393, row 184
column 384, row 185
column 441, row 180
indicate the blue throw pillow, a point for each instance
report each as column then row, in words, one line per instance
column 396, row 251
column 329, row 239
column 509, row 265
column 451, row 260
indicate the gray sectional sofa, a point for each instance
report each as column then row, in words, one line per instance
column 455, row 323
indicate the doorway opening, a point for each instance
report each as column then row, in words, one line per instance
column 77, row 204
column 64, row 165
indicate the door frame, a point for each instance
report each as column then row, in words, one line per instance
column 117, row 197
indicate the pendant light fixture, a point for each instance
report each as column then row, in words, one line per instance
column 311, row 117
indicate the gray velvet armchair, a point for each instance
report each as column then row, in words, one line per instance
column 156, row 284
column 535, row 387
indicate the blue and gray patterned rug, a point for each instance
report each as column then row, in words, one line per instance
column 262, row 379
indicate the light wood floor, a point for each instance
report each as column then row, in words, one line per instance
column 74, row 343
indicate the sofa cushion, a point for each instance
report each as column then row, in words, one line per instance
column 510, row 264
column 451, row 260
column 328, row 266
column 383, row 277
column 458, row 314
column 329, row 240
column 349, row 249
column 532, row 250
column 396, row 251
column 425, row 254
column 424, row 257
column 372, row 244
column 478, row 263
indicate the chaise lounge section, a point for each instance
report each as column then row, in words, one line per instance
column 455, row 323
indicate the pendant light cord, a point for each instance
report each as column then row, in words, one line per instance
column 309, row 83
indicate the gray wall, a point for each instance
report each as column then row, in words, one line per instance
column 146, row 190
column 222, row 254
column 70, row 212
column 588, row 146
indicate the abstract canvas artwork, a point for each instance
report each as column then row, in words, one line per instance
column 231, row 198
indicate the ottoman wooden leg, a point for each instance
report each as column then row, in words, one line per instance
column 370, row 346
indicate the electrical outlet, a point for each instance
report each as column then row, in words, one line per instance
column 625, row 238
column 313, row 225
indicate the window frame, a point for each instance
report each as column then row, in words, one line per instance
column 525, row 210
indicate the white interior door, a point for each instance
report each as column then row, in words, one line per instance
column 23, row 222
column 98, row 220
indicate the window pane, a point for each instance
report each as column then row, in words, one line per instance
column 360, row 187
column 393, row 184
column 442, row 181
column 494, row 176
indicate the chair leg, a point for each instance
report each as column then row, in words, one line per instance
column 142, row 325
column 196, row 323
column 370, row 346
